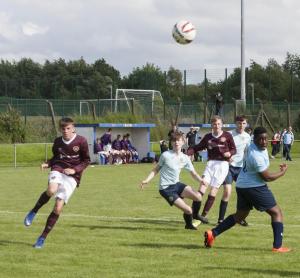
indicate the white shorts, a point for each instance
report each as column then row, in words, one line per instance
column 215, row 172
column 66, row 185
column 107, row 148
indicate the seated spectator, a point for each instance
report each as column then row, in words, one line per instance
column 133, row 152
column 98, row 146
column 125, row 149
column 103, row 155
column 117, row 153
column 106, row 140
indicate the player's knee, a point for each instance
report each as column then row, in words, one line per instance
column 188, row 210
column 278, row 213
column 58, row 209
column 50, row 192
column 226, row 196
column 198, row 197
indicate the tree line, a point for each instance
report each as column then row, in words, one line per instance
column 79, row 80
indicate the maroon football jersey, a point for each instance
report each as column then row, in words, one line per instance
column 217, row 146
column 74, row 155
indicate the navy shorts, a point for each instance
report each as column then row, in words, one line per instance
column 232, row 175
column 259, row 197
column 172, row 192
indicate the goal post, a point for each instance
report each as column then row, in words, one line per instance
column 139, row 95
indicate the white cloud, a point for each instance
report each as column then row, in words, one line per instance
column 30, row 29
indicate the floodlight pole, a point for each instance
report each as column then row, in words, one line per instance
column 252, row 92
column 111, row 96
column 243, row 86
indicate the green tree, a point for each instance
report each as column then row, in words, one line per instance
column 11, row 127
column 149, row 77
column 174, row 83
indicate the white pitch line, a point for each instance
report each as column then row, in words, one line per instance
column 117, row 218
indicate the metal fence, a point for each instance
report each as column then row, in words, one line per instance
column 279, row 114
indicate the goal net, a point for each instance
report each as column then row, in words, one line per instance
column 143, row 97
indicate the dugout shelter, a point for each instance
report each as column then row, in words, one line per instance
column 139, row 135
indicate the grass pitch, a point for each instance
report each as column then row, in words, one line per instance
column 111, row 228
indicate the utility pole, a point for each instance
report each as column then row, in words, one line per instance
column 243, row 87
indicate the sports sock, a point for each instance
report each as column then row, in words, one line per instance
column 228, row 223
column 196, row 207
column 44, row 198
column 52, row 218
column 202, row 194
column 188, row 219
column 222, row 209
column 277, row 233
column 208, row 204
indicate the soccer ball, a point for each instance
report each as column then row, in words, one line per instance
column 184, row 32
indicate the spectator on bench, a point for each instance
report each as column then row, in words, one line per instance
column 117, row 153
column 106, row 140
column 133, row 152
column 103, row 155
column 125, row 149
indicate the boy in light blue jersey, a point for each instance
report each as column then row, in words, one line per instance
column 252, row 191
column 242, row 141
column 169, row 166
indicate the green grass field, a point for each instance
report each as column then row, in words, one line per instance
column 111, row 228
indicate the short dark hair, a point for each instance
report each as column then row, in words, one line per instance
column 258, row 131
column 240, row 118
column 65, row 121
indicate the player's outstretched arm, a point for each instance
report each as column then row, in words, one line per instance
column 152, row 174
column 268, row 176
column 196, row 176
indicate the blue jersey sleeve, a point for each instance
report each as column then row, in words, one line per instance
column 260, row 164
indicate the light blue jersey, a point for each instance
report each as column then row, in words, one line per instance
column 170, row 167
column 256, row 161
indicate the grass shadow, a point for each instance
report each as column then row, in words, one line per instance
column 163, row 245
column 283, row 273
column 10, row 242
column 128, row 228
column 152, row 221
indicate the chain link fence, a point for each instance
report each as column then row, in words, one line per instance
column 278, row 114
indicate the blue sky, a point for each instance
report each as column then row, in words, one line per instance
column 130, row 33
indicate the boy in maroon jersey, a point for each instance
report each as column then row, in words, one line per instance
column 70, row 158
column 220, row 147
